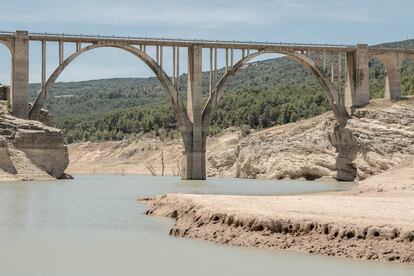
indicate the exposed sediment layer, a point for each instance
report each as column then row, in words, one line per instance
column 381, row 242
column 362, row 223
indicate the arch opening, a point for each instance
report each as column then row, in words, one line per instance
column 5, row 64
column 242, row 106
column 391, row 77
column 163, row 78
column 377, row 75
column 123, row 121
column 330, row 93
column 5, row 72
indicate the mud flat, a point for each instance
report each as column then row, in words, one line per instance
column 373, row 221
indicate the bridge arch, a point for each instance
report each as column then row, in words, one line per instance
column 8, row 45
column 392, row 63
column 329, row 89
column 166, row 82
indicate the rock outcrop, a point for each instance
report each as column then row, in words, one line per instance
column 30, row 150
column 377, row 138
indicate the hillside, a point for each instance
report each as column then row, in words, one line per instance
column 378, row 138
column 264, row 94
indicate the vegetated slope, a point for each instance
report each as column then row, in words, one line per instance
column 265, row 93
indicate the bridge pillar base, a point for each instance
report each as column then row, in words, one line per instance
column 194, row 165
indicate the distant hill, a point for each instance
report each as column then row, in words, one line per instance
column 404, row 44
column 265, row 93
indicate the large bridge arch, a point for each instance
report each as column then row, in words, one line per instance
column 166, row 82
column 329, row 89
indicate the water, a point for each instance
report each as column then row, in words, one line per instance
column 93, row 225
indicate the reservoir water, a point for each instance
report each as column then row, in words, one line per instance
column 93, row 225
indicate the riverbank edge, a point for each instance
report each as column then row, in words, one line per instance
column 380, row 242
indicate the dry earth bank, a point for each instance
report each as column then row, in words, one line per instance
column 374, row 221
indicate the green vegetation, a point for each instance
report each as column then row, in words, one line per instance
column 264, row 94
column 261, row 108
column 119, row 124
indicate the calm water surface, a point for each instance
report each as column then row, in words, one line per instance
column 93, row 225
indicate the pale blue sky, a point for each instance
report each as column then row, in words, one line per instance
column 316, row 21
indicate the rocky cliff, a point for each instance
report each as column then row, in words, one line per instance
column 378, row 137
column 30, row 150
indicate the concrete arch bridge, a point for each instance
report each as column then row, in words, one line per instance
column 337, row 67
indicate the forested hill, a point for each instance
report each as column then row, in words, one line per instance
column 404, row 44
column 263, row 94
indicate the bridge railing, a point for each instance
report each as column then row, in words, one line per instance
column 7, row 33
column 179, row 40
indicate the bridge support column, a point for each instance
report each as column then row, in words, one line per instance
column 357, row 89
column 20, row 75
column 393, row 80
column 194, row 166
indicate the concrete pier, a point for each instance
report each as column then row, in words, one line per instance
column 357, row 89
column 393, row 81
column 194, row 166
column 20, row 75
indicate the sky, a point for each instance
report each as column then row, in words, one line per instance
column 313, row 21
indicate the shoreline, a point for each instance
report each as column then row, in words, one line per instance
column 374, row 221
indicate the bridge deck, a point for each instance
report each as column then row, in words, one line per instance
column 204, row 43
column 177, row 42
